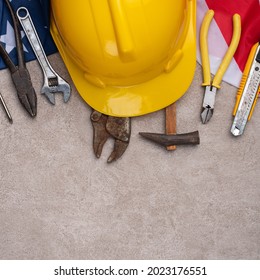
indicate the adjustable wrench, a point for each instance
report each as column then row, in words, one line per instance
column 53, row 83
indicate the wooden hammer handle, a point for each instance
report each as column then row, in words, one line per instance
column 170, row 123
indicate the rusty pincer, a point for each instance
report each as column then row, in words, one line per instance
column 108, row 126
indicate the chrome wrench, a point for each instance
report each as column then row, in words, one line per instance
column 53, row 83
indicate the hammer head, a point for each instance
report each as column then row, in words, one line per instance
column 191, row 138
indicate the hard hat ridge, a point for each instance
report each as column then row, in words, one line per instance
column 127, row 58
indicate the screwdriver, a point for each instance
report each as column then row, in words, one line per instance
column 6, row 109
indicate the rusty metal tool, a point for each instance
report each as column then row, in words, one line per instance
column 20, row 75
column 248, row 92
column 108, row 126
column 171, row 139
column 6, row 109
column 53, row 83
column 212, row 87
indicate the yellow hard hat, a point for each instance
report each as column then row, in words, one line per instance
column 127, row 57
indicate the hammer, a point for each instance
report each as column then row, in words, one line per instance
column 171, row 139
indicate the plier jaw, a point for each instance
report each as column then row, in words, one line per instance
column 208, row 103
column 25, row 91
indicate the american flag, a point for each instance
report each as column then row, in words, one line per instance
column 39, row 11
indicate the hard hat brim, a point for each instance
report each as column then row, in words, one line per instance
column 143, row 98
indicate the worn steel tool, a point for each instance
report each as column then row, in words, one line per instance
column 20, row 75
column 248, row 92
column 53, row 83
column 212, row 87
column 171, row 139
column 107, row 126
column 6, row 109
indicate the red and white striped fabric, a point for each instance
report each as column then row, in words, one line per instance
column 220, row 33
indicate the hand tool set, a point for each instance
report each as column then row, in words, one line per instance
column 119, row 128
column 249, row 89
column 21, row 78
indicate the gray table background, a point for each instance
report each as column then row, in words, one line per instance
column 57, row 201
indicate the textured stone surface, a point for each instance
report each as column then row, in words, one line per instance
column 57, row 201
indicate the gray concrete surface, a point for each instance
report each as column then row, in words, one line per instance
column 57, row 201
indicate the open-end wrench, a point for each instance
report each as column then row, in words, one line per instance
column 53, row 83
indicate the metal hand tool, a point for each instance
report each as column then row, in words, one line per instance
column 248, row 92
column 212, row 87
column 20, row 75
column 6, row 109
column 53, row 83
column 107, row 126
column 171, row 139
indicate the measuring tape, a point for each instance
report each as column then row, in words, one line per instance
column 248, row 92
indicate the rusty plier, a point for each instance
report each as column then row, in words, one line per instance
column 20, row 75
column 108, row 126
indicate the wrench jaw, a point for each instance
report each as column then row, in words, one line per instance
column 48, row 93
column 106, row 126
column 65, row 89
column 48, row 90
